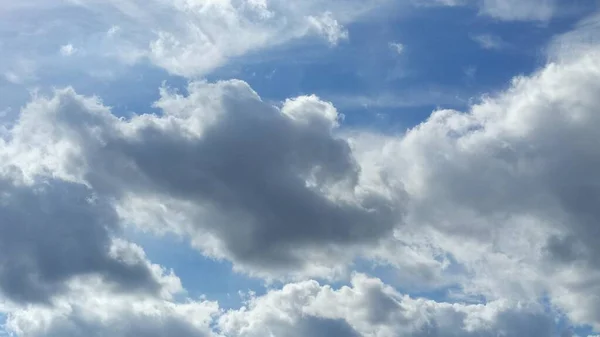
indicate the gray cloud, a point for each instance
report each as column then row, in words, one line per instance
column 268, row 184
column 53, row 231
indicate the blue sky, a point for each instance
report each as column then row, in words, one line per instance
column 441, row 181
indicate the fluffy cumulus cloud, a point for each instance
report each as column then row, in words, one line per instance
column 365, row 308
column 272, row 188
column 499, row 202
column 509, row 188
column 370, row 308
column 506, row 191
column 91, row 309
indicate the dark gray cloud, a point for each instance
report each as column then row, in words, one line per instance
column 269, row 183
column 317, row 327
column 53, row 231
column 252, row 165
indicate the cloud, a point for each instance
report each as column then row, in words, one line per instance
column 269, row 188
column 90, row 308
column 500, row 199
column 52, row 231
column 365, row 308
column 397, row 47
column 189, row 38
column 67, row 50
column 519, row 10
column 584, row 38
column 504, row 10
column 329, row 27
column 488, row 41
column 186, row 38
column 508, row 189
column 370, row 308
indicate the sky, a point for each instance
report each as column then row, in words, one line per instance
column 339, row 168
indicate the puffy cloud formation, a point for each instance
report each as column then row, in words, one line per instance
column 265, row 187
column 370, row 308
column 91, row 309
column 509, row 189
column 365, row 308
column 499, row 201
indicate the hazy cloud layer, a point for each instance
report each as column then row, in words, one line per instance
column 185, row 37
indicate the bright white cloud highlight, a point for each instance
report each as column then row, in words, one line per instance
column 67, row 50
column 397, row 47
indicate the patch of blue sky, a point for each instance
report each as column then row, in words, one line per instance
column 200, row 276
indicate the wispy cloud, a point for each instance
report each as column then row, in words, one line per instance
column 397, row 47
column 489, row 41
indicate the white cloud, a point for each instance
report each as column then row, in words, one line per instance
column 67, row 50
column 489, row 41
column 90, row 308
column 365, row 308
column 584, row 38
column 501, row 200
column 190, row 38
column 329, row 27
column 397, row 47
column 508, row 188
column 186, row 37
